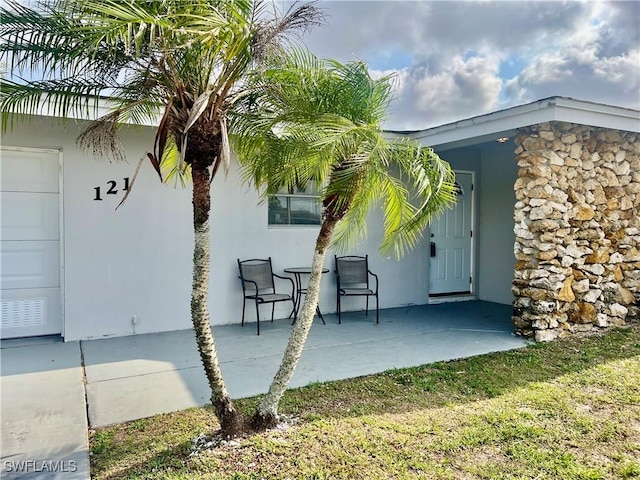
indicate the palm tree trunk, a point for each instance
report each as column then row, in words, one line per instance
column 266, row 415
column 224, row 408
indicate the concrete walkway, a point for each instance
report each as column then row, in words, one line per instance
column 44, row 421
column 43, row 400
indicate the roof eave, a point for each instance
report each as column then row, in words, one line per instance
column 504, row 122
column 94, row 110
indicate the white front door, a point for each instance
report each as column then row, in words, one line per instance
column 30, row 237
column 451, row 233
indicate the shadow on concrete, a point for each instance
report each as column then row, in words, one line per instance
column 139, row 376
column 44, row 421
column 421, row 387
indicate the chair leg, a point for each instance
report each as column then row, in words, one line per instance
column 257, row 317
column 244, row 302
column 338, row 303
column 377, row 310
column 273, row 307
column 366, row 310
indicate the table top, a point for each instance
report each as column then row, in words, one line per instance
column 303, row 270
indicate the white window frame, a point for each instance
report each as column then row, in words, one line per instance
column 284, row 193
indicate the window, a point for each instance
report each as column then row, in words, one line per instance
column 298, row 207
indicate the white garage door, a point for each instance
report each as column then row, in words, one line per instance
column 30, row 251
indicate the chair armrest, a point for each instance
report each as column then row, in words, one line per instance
column 242, row 280
column 293, row 288
column 376, row 277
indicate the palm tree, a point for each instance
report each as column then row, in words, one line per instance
column 181, row 61
column 309, row 120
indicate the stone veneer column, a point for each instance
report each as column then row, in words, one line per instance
column 577, row 228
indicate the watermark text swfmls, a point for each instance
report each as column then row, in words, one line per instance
column 40, row 466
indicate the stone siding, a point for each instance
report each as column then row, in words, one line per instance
column 577, row 228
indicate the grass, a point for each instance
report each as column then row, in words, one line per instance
column 563, row 410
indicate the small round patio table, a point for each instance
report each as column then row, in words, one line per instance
column 297, row 273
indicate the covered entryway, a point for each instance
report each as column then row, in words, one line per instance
column 450, row 269
column 31, row 247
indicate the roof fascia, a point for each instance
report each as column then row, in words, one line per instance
column 488, row 127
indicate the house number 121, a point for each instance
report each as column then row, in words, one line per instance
column 112, row 188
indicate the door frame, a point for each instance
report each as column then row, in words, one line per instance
column 472, row 257
column 58, row 152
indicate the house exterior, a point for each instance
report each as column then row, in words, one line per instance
column 547, row 220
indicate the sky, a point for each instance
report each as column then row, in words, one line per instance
column 457, row 59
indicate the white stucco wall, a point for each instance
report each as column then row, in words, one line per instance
column 137, row 260
column 497, row 199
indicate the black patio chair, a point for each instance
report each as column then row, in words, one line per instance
column 352, row 275
column 257, row 278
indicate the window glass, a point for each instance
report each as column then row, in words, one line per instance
column 295, row 208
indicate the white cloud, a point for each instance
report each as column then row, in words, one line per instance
column 458, row 59
column 613, row 80
column 466, row 87
column 621, row 70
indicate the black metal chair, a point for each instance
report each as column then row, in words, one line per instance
column 257, row 279
column 352, row 275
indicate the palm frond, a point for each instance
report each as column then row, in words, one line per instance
column 308, row 119
column 64, row 97
column 48, row 42
column 173, row 169
column 181, row 61
column 270, row 33
column 432, row 185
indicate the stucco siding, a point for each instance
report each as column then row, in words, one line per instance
column 137, row 261
column 122, row 263
column 495, row 236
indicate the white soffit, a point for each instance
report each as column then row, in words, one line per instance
column 488, row 127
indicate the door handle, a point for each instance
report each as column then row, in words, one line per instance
column 433, row 249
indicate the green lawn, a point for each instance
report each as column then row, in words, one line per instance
column 565, row 410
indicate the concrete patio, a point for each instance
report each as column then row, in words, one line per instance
column 44, row 415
